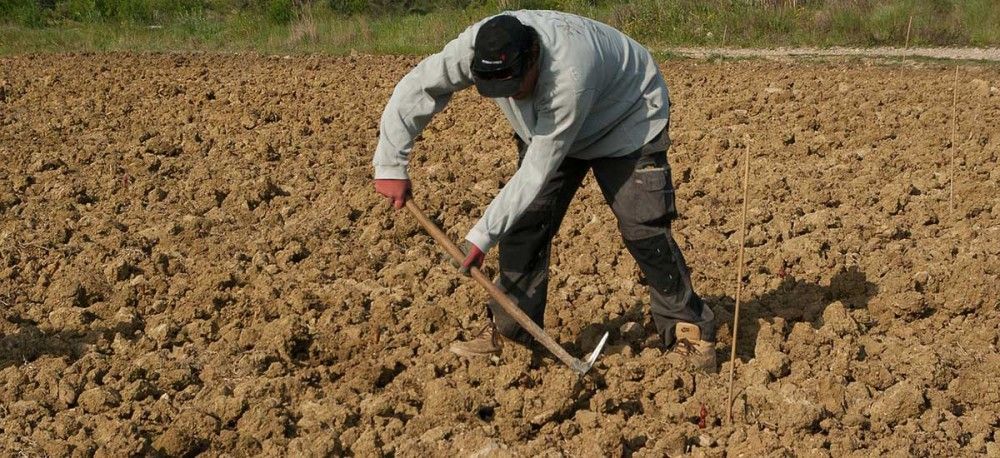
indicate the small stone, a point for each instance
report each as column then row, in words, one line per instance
column 67, row 394
column 188, row 434
column 674, row 443
column 138, row 391
column 96, row 400
column 162, row 146
column 248, row 122
column 162, row 333
column 68, row 290
column 705, row 441
column 376, row 406
column 587, row 419
column 369, row 444
column 901, row 401
column 631, row 331
column 737, row 437
column 838, row 320
column 489, row 449
column 293, row 253
column 119, row 270
column 71, row 321
column 543, row 417
column 775, row 364
column 788, row 407
column 435, row 435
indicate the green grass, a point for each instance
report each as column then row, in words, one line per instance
column 423, row 26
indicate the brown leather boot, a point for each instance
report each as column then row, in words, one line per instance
column 487, row 343
column 698, row 353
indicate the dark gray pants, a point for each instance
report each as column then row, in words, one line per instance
column 639, row 190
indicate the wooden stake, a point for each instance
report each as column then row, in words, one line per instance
column 909, row 25
column 954, row 127
column 739, row 280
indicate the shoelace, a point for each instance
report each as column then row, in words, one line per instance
column 492, row 330
column 684, row 347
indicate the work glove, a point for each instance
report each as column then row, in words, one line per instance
column 474, row 257
column 397, row 191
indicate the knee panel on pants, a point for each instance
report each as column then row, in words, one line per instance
column 657, row 262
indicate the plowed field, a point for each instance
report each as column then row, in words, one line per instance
column 193, row 260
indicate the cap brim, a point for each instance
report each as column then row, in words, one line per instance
column 495, row 89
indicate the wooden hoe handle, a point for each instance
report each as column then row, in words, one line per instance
column 505, row 302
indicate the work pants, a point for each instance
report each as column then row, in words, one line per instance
column 639, row 190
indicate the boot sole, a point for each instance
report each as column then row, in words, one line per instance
column 472, row 354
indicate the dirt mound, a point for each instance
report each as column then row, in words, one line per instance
column 192, row 260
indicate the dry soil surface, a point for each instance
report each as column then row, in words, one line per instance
column 193, row 260
column 980, row 54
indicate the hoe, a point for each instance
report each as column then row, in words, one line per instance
column 578, row 366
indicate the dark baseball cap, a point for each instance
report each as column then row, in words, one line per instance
column 501, row 56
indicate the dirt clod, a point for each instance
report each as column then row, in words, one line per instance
column 193, row 260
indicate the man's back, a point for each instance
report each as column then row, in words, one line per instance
column 598, row 94
column 631, row 103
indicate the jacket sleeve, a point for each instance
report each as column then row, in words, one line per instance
column 421, row 94
column 557, row 123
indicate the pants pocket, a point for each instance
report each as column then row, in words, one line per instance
column 668, row 195
column 650, row 204
column 656, row 203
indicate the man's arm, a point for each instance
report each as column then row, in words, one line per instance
column 422, row 93
column 556, row 128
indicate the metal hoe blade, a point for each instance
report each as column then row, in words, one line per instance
column 581, row 367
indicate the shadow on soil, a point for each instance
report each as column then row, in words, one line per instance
column 31, row 343
column 793, row 300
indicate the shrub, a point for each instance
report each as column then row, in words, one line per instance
column 280, row 11
column 25, row 12
column 348, row 6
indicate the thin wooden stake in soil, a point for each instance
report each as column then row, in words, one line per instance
column 908, row 26
column 954, row 127
column 739, row 281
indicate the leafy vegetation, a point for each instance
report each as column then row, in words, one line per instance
column 422, row 26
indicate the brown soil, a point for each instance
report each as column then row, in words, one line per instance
column 981, row 54
column 192, row 260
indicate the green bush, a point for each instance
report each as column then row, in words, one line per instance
column 387, row 7
column 280, row 11
column 77, row 10
column 982, row 19
column 348, row 6
column 887, row 23
column 145, row 11
column 426, row 24
column 24, row 12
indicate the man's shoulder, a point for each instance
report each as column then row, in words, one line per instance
column 558, row 21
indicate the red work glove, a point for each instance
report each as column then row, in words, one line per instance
column 396, row 190
column 473, row 258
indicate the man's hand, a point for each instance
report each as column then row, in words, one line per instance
column 397, row 191
column 473, row 258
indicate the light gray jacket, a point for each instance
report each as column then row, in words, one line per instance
column 599, row 94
